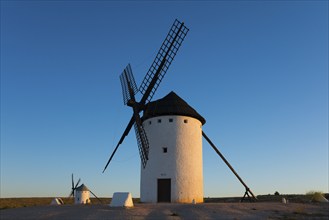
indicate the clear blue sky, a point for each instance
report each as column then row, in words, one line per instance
column 256, row 70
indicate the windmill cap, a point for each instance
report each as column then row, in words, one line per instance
column 83, row 187
column 171, row 104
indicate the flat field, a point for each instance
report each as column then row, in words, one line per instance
column 213, row 208
column 8, row 203
column 260, row 210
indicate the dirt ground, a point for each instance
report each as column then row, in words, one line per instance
column 263, row 210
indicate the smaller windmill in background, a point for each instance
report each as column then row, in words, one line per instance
column 81, row 193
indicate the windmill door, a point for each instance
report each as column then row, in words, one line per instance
column 164, row 190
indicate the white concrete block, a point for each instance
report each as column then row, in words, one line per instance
column 122, row 199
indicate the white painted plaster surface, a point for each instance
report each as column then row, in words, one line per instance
column 81, row 197
column 182, row 163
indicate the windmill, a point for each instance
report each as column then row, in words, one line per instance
column 168, row 177
column 74, row 187
column 81, row 193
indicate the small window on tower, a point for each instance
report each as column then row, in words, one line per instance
column 171, row 120
column 185, row 121
column 159, row 120
column 150, row 122
column 164, row 150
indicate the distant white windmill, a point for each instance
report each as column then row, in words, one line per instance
column 81, row 193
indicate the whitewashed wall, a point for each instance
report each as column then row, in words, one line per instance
column 182, row 163
column 81, row 197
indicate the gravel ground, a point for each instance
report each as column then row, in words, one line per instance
column 174, row 211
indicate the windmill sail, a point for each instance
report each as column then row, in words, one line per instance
column 143, row 145
column 151, row 82
column 129, row 90
column 125, row 133
column 128, row 83
column 162, row 61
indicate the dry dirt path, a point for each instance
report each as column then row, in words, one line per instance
column 174, row 211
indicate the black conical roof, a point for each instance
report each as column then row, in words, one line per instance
column 171, row 104
column 83, row 187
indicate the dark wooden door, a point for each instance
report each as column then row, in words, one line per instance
column 164, row 190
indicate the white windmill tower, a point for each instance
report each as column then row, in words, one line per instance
column 169, row 135
column 174, row 169
column 82, row 195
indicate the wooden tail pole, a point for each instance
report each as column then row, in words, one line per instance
column 231, row 168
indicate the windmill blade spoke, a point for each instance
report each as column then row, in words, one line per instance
column 125, row 133
column 162, row 61
column 77, row 184
column 228, row 164
column 72, row 182
column 96, row 196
